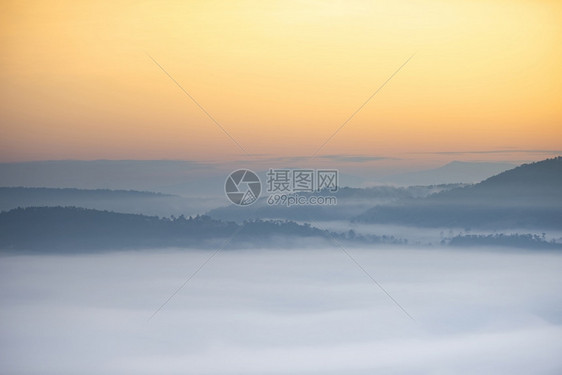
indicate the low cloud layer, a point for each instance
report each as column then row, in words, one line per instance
column 282, row 312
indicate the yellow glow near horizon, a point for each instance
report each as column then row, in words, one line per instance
column 280, row 76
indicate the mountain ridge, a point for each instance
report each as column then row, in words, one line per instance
column 529, row 195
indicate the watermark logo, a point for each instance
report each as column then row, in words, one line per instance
column 243, row 187
column 301, row 187
column 286, row 187
column 301, row 180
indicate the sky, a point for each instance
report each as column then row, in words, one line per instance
column 96, row 80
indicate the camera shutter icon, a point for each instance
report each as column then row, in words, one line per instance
column 243, row 187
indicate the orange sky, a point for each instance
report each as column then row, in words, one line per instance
column 281, row 77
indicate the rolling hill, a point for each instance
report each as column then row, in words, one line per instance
column 528, row 196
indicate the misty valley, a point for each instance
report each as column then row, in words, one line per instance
column 448, row 278
column 521, row 207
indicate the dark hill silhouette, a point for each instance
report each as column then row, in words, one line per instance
column 68, row 227
column 535, row 184
column 528, row 196
column 72, row 229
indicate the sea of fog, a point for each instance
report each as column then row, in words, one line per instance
column 313, row 311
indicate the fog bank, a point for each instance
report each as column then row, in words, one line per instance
column 282, row 312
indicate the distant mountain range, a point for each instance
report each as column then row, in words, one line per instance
column 453, row 172
column 200, row 179
column 529, row 196
column 125, row 201
column 165, row 176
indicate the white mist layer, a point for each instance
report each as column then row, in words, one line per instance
column 282, row 312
